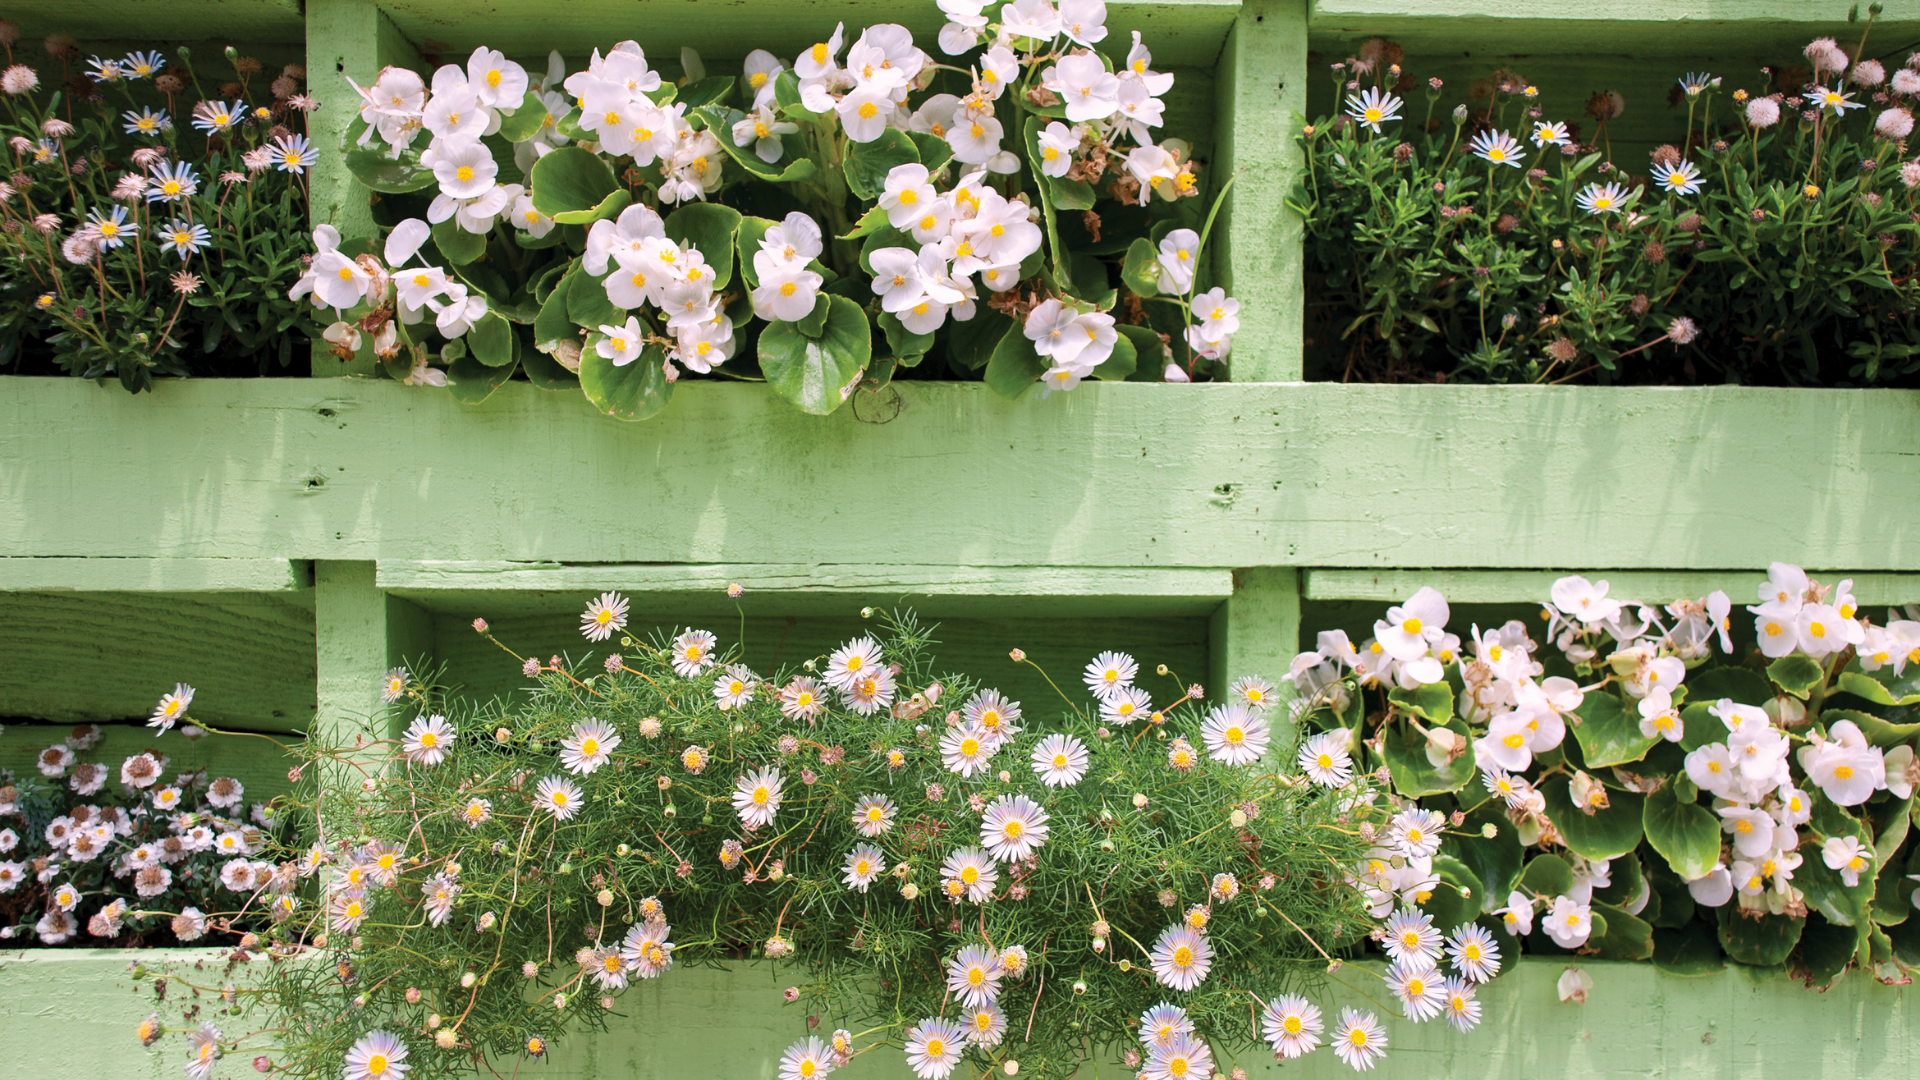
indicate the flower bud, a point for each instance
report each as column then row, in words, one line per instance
column 1018, row 655
column 559, row 1001
column 446, row 1038
column 413, row 995
column 604, row 898
column 1010, row 1067
column 1079, row 986
column 262, row 1064
column 1238, row 817
column 1139, row 801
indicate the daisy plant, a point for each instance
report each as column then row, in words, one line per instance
column 966, row 881
column 1693, row 783
column 1008, row 210
column 140, row 240
column 1769, row 239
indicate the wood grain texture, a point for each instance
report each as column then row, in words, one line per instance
column 149, row 23
column 1525, row 586
column 1699, row 28
column 1110, row 475
column 107, row 656
column 55, row 574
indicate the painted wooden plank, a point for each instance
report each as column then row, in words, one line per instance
column 1255, row 632
column 1524, row 586
column 55, row 574
column 1113, row 475
column 1180, row 32
column 107, row 656
column 149, row 23
column 360, row 633
column 1702, row 28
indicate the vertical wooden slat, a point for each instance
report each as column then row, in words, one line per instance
column 1257, row 631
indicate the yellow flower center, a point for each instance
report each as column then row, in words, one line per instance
column 1182, row 956
column 1013, row 829
column 1843, row 772
column 761, row 795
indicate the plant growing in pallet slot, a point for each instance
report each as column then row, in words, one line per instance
column 1006, row 215
column 150, row 227
column 89, row 847
column 1644, row 786
column 943, row 872
column 1772, row 240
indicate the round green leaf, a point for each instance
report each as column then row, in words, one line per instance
column 526, row 121
column 606, row 210
column 1825, row 951
column 868, row 163
column 1796, row 674
column 1609, row 733
column 1546, row 875
column 632, row 392
column 1014, row 366
column 456, row 244
column 472, row 382
column 1603, row 834
column 710, row 228
column 1432, row 702
column 372, row 166
column 1761, row 942
column 545, row 372
column 1688, row 952
column 491, row 340
column 569, row 178
column 1687, row 834
column 817, row 374
column 1627, row 937
column 1740, row 684
column 1414, row 774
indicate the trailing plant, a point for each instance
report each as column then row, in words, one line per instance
column 1640, row 785
column 831, row 223
column 150, row 227
column 942, row 872
column 1771, row 240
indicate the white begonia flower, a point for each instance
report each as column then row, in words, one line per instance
column 965, row 21
column 1176, row 264
column 1712, row 889
column 459, row 312
column 999, row 69
column 907, row 196
column 1822, row 631
column 339, row 282
column 418, row 285
column 1057, row 144
column 1057, row 334
column 1034, row 19
column 392, row 108
column 760, row 71
column 762, row 130
column 975, row 137
column 1138, row 111
column 700, row 346
column 622, row 344
column 1567, row 922
column 1786, row 584
column 1750, row 827
column 453, row 110
column 1847, row 855
column 688, row 303
column 1410, row 627
column 1658, row 717
column 817, row 62
column 625, row 239
column 1759, row 752
column 790, row 245
column 1901, row 771
column 1574, row 985
column 464, row 167
column 1711, row 769
column 528, row 219
column 864, row 113
column 786, row 295
column 1578, row 598
column 496, row 81
column 1087, row 89
column 1845, row 769
column 1518, row 914
column 1774, row 626
column 404, row 241
column 344, row 334
column 1140, row 68
column 1084, row 22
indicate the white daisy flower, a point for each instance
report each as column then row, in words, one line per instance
column 1476, row 955
column 1680, row 178
column 933, row 1048
column 558, row 796
column 864, row 864
column 1110, row 671
column 1459, row 1004
column 1418, row 989
column 1416, row 832
column 1359, row 1040
column 476, row 813
column 966, row 750
column 869, row 693
column 393, row 685
column 693, row 652
column 1325, row 760
column 647, row 950
column 986, row 1025
column 734, row 687
column 172, row 708
column 1013, row 961
column 609, row 969
column 590, row 745
column 1181, row 958
column 603, row 616
column 800, row 700
column 851, row 661
column 1601, row 199
column 1512, row 790
column 1013, row 827
column 1498, row 148
column 1125, row 705
column 440, row 891
column 348, row 913
column 807, row 1059
column 206, row 1051
column 968, row 874
column 991, row 712
column 1181, row 756
column 1162, row 1024
column 1235, row 734
column 1373, row 108
column 1291, row 1025
column 381, row 1055
column 873, row 816
column 1252, row 691
column 1549, row 133
column 1060, row 760
column 427, row 739
column 1186, row 1058
column 1411, row 938
column 756, row 797
column 974, row 974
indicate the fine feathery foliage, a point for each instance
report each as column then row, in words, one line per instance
column 152, row 225
column 865, row 211
column 491, row 882
column 1771, row 239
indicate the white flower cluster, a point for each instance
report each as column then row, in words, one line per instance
column 676, row 278
column 366, row 283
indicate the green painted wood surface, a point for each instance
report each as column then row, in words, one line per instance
column 1525, row 586
column 105, row 656
column 56, row 574
column 1677, row 28
column 73, row 1013
column 153, row 21
column 361, row 633
column 1253, row 631
column 1111, row 475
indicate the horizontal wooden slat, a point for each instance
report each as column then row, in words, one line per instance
column 57, row 574
column 1703, row 29
column 152, row 23
column 1123, row 474
column 1521, row 586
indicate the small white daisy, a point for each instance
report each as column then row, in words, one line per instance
column 1459, row 1004
column 807, row 1059
column 1235, row 734
column 693, row 652
column 558, row 796
column 1291, row 1025
column 756, row 797
column 1110, row 671
column 1162, row 1024
column 1325, row 760
column 440, row 891
column 1475, row 953
column 1358, row 1039
column 1060, row 760
column 974, row 974
column 1411, row 938
column 800, row 700
column 609, row 969
column 379, row 1056
column 427, row 739
column 603, row 616
column 1186, row 1058
column 476, row 813
column 1511, row 789
column 1416, row 832
column 1373, row 108
column 172, row 708
column 993, row 713
column 647, row 950
column 1680, row 178
column 851, row 661
column 966, row 750
column 589, row 746
column 734, row 687
column 864, row 864
column 1013, row 827
column 868, row 693
column 934, row 1046
column 873, row 816
column 393, row 685
column 986, row 1025
column 1125, row 705
column 1252, row 691
column 968, row 874
column 1418, row 989
column 1181, row 958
